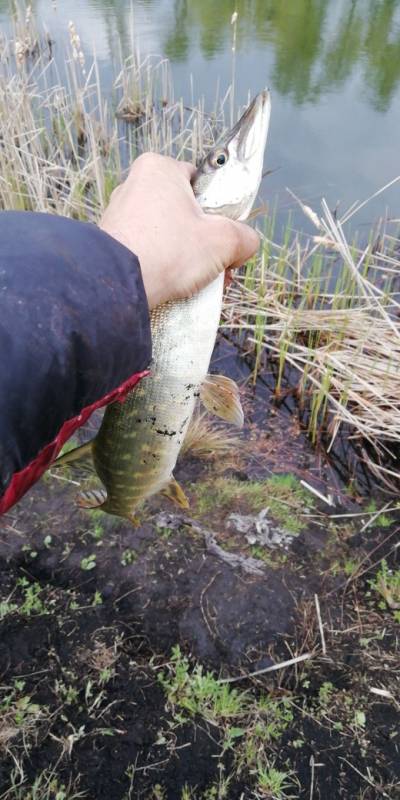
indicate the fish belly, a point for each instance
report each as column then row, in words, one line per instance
column 139, row 441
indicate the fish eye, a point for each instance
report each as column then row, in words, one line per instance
column 219, row 158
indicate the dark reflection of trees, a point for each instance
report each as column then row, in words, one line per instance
column 382, row 49
column 298, row 45
column 177, row 44
column 309, row 58
column 116, row 15
column 311, row 54
column 345, row 47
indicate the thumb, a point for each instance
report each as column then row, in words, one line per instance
column 234, row 242
column 247, row 244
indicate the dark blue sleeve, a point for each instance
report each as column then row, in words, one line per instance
column 74, row 325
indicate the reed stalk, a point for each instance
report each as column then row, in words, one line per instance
column 322, row 307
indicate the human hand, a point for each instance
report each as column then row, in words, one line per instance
column 180, row 248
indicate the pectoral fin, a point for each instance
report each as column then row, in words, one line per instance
column 93, row 498
column 220, row 395
column 81, row 452
column 175, row 493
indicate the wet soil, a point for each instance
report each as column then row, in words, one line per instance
column 92, row 607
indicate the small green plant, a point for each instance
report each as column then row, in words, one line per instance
column 26, row 548
column 89, row 562
column 265, row 724
column 387, row 585
column 194, row 691
column 187, row 793
column 211, row 793
column 274, row 559
column 350, row 567
column 20, row 706
column 32, row 603
column 25, row 708
column 67, row 692
column 164, row 532
column 7, row 608
column 382, row 520
column 18, row 714
column 128, row 557
column 45, row 786
column 249, row 725
column 105, row 675
column 158, row 792
column 272, row 784
column 325, row 693
column 97, row 599
column 359, row 719
column 97, row 532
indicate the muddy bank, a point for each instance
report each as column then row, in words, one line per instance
column 96, row 698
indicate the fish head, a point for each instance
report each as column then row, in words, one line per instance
column 227, row 180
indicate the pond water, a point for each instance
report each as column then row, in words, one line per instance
column 333, row 67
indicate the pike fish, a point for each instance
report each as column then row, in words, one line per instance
column 137, row 446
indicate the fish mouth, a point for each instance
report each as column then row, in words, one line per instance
column 249, row 134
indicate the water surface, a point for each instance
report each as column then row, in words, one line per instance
column 333, row 67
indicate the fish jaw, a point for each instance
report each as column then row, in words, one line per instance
column 231, row 188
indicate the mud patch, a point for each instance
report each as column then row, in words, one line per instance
column 114, row 641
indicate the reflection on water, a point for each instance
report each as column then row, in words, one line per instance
column 317, row 44
column 315, row 48
column 333, row 67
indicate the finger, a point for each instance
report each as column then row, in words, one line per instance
column 187, row 169
column 247, row 244
column 155, row 162
column 234, row 242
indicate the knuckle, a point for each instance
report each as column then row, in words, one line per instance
column 148, row 156
column 147, row 159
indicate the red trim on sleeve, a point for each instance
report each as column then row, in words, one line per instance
column 22, row 481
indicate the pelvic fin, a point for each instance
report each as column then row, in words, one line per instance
column 175, row 493
column 220, row 396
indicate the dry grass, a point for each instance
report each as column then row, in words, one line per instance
column 208, row 440
column 327, row 310
column 102, row 657
column 331, row 313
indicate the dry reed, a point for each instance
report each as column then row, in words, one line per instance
column 324, row 308
column 331, row 312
